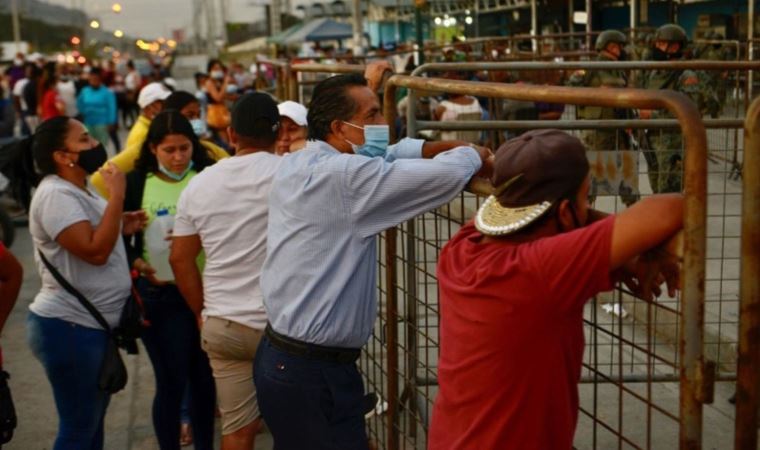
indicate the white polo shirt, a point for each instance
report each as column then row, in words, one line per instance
column 227, row 206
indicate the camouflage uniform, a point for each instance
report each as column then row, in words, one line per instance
column 605, row 140
column 718, row 79
column 666, row 165
column 602, row 139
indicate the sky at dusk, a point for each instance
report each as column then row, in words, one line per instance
column 156, row 18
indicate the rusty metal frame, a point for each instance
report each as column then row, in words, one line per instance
column 293, row 83
column 749, row 66
column 748, row 369
column 696, row 379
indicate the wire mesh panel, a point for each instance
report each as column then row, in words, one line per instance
column 631, row 385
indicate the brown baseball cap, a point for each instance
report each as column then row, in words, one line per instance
column 531, row 173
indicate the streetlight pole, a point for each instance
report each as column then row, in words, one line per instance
column 358, row 32
column 534, row 25
column 275, row 17
column 634, row 18
column 211, row 29
column 16, row 26
column 223, row 9
column 589, row 21
column 418, row 5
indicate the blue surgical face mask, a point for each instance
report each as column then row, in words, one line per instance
column 176, row 176
column 199, row 127
column 376, row 139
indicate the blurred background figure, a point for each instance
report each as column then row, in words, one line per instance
column 132, row 84
column 293, row 127
column 67, row 90
column 97, row 104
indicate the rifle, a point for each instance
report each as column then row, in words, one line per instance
column 644, row 145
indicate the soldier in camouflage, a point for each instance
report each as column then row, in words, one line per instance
column 610, row 45
column 664, row 150
column 716, row 51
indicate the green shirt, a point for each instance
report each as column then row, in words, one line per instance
column 160, row 194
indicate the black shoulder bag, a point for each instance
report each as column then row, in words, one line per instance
column 7, row 410
column 113, row 372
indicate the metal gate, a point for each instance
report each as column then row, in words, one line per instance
column 627, row 364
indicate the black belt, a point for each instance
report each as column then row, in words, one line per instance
column 311, row 351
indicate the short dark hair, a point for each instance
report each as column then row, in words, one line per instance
column 331, row 101
column 179, row 99
column 265, row 138
column 212, row 62
column 164, row 124
column 96, row 71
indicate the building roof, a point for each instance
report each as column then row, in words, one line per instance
column 316, row 30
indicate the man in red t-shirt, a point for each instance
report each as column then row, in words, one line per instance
column 513, row 285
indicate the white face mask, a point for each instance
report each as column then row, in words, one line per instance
column 217, row 74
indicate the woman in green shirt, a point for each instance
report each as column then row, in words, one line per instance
column 168, row 160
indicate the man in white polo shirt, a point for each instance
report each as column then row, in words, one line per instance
column 224, row 212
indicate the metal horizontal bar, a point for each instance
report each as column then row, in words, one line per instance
column 569, row 124
column 590, row 65
column 628, row 378
column 328, row 68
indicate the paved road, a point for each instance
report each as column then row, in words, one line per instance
column 128, row 422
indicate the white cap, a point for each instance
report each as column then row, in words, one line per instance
column 170, row 82
column 295, row 111
column 152, row 92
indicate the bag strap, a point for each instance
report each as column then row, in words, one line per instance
column 72, row 290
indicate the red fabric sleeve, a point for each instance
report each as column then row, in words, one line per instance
column 576, row 265
column 2, row 250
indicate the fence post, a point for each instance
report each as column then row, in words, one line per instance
column 410, row 384
column 391, row 322
column 748, row 370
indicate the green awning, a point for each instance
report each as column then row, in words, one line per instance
column 280, row 37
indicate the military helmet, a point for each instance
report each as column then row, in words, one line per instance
column 672, row 33
column 609, row 36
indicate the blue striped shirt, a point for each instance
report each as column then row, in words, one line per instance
column 325, row 211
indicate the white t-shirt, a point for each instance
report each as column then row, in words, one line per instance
column 227, row 205
column 132, row 81
column 18, row 91
column 67, row 92
column 56, row 205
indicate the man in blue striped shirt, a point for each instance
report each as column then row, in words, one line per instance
column 327, row 204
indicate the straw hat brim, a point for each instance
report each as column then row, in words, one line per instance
column 493, row 219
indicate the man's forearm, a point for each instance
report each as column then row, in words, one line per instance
column 433, row 148
column 190, row 284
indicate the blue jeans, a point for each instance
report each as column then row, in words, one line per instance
column 71, row 355
column 308, row 403
column 174, row 347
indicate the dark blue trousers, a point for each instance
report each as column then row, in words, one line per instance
column 72, row 355
column 309, row 404
column 174, row 347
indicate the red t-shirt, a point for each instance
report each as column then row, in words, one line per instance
column 49, row 110
column 512, row 337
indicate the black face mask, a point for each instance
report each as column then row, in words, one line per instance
column 659, row 55
column 92, row 159
column 623, row 56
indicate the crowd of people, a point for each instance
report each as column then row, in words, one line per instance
column 246, row 230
